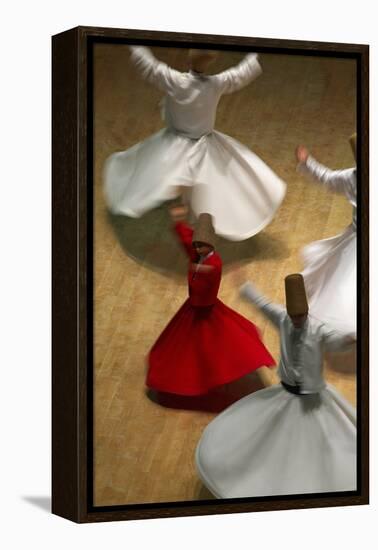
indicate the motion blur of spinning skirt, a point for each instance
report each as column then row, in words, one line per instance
column 296, row 437
column 330, row 264
column 145, row 452
column 223, row 177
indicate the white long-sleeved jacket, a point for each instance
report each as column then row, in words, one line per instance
column 191, row 99
column 301, row 350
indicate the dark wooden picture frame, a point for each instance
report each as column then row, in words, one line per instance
column 72, row 355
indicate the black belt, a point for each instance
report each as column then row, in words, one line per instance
column 292, row 389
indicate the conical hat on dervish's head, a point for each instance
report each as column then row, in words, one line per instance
column 199, row 60
column 204, row 230
column 296, row 299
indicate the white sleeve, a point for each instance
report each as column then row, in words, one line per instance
column 337, row 181
column 336, row 341
column 274, row 312
column 239, row 76
column 153, row 70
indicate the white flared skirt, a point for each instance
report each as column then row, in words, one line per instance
column 330, row 279
column 276, row 443
column 223, row 177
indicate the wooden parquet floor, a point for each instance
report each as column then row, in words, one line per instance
column 144, row 447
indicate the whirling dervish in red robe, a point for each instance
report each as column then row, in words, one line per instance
column 206, row 344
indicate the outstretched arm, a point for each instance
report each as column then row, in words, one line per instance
column 336, row 181
column 185, row 235
column 336, row 341
column 153, row 70
column 239, row 76
column 183, row 230
column 274, row 312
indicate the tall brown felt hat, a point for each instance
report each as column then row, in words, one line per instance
column 200, row 59
column 353, row 144
column 296, row 300
column 204, row 230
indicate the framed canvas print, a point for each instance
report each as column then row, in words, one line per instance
column 210, row 274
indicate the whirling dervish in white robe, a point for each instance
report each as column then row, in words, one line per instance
column 215, row 173
column 330, row 264
column 297, row 437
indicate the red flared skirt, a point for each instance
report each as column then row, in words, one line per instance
column 204, row 347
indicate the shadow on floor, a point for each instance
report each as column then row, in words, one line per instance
column 215, row 401
column 151, row 241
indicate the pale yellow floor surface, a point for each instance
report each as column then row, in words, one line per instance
column 144, row 451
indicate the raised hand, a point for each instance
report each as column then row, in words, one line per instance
column 301, row 153
column 178, row 213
